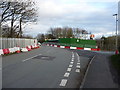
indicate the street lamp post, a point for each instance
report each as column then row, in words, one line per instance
column 116, row 15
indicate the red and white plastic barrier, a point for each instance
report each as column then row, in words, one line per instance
column 28, row 48
column 18, row 49
column 12, row 50
column 62, row 46
column 1, row 52
column 35, row 46
column 55, row 45
column 24, row 49
column 73, row 48
column 6, row 51
column 80, row 48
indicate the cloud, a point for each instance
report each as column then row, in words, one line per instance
column 92, row 15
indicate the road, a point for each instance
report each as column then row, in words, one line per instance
column 52, row 67
column 46, row 67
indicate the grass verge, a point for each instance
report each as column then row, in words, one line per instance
column 115, row 59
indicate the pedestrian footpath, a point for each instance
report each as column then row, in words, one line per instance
column 99, row 75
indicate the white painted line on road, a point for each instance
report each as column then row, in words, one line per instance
column 72, row 59
column 63, row 82
column 30, row 58
column 73, row 56
column 77, row 70
column 69, row 69
column 78, row 57
column 77, row 54
column 77, row 66
column 70, row 65
column 66, row 74
column 78, row 63
column 71, row 62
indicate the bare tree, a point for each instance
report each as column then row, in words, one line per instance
column 67, row 32
column 41, row 38
column 27, row 14
column 17, row 13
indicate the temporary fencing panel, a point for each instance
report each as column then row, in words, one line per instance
column 78, row 42
column 16, row 42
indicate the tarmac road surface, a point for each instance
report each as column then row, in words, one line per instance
column 46, row 67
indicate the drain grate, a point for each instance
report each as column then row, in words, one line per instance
column 41, row 57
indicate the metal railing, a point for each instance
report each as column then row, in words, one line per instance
column 15, row 42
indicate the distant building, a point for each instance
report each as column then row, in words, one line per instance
column 119, row 17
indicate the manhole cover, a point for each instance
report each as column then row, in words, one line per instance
column 41, row 57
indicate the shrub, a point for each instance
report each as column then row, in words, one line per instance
column 119, row 49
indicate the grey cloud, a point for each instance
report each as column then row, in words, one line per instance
column 97, row 19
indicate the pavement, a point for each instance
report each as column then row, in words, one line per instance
column 99, row 73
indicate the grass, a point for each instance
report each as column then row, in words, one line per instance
column 115, row 59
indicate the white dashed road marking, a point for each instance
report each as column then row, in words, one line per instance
column 78, row 63
column 77, row 54
column 69, row 69
column 66, row 74
column 63, row 82
column 78, row 57
column 30, row 58
column 77, row 70
column 72, row 53
column 77, row 66
column 70, row 65
column 71, row 62
column 73, row 56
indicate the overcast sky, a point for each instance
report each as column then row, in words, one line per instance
column 92, row 15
